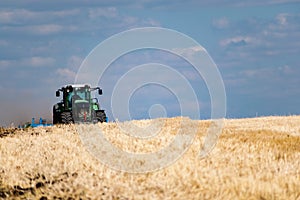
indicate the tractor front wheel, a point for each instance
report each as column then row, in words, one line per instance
column 66, row 118
column 101, row 116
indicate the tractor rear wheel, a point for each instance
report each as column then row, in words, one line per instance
column 66, row 118
column 56, row 116
column 101, row 116
column 55, row 119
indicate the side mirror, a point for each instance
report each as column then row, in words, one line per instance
column 69, row 88
column 57, row 93
column 99, row 91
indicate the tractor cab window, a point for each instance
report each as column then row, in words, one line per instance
column 78, row 94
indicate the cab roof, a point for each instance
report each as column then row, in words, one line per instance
column 78, row 85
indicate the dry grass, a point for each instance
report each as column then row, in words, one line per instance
column 254, row 159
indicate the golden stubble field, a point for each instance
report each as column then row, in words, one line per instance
column 257, row 158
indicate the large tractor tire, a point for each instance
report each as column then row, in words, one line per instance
column 66, row 118
column 56, row 116
column 101, row 116
column 55, row 119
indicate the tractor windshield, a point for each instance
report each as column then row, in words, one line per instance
column 79, row 94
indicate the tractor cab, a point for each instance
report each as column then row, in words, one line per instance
column 79, row 95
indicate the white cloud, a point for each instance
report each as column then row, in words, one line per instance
column 64, row 13
column 265, row 40
column 221, row 23
column 266, row 72
column 130, row 20
column 19, row 16
column 89, row 20
column 260, row 3
column 110, row 12
column 45, row 29
column 28, row 62
column 4, row 64
column 134, row 22
column 67, row 74
column 39, row 61
column 282, row 18
column 151, row 22
column 237, row 40
column 286, row 70
column 189, row 51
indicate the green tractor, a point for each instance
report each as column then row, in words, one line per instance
column 77, row 105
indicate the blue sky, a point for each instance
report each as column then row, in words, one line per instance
column 255, row 45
